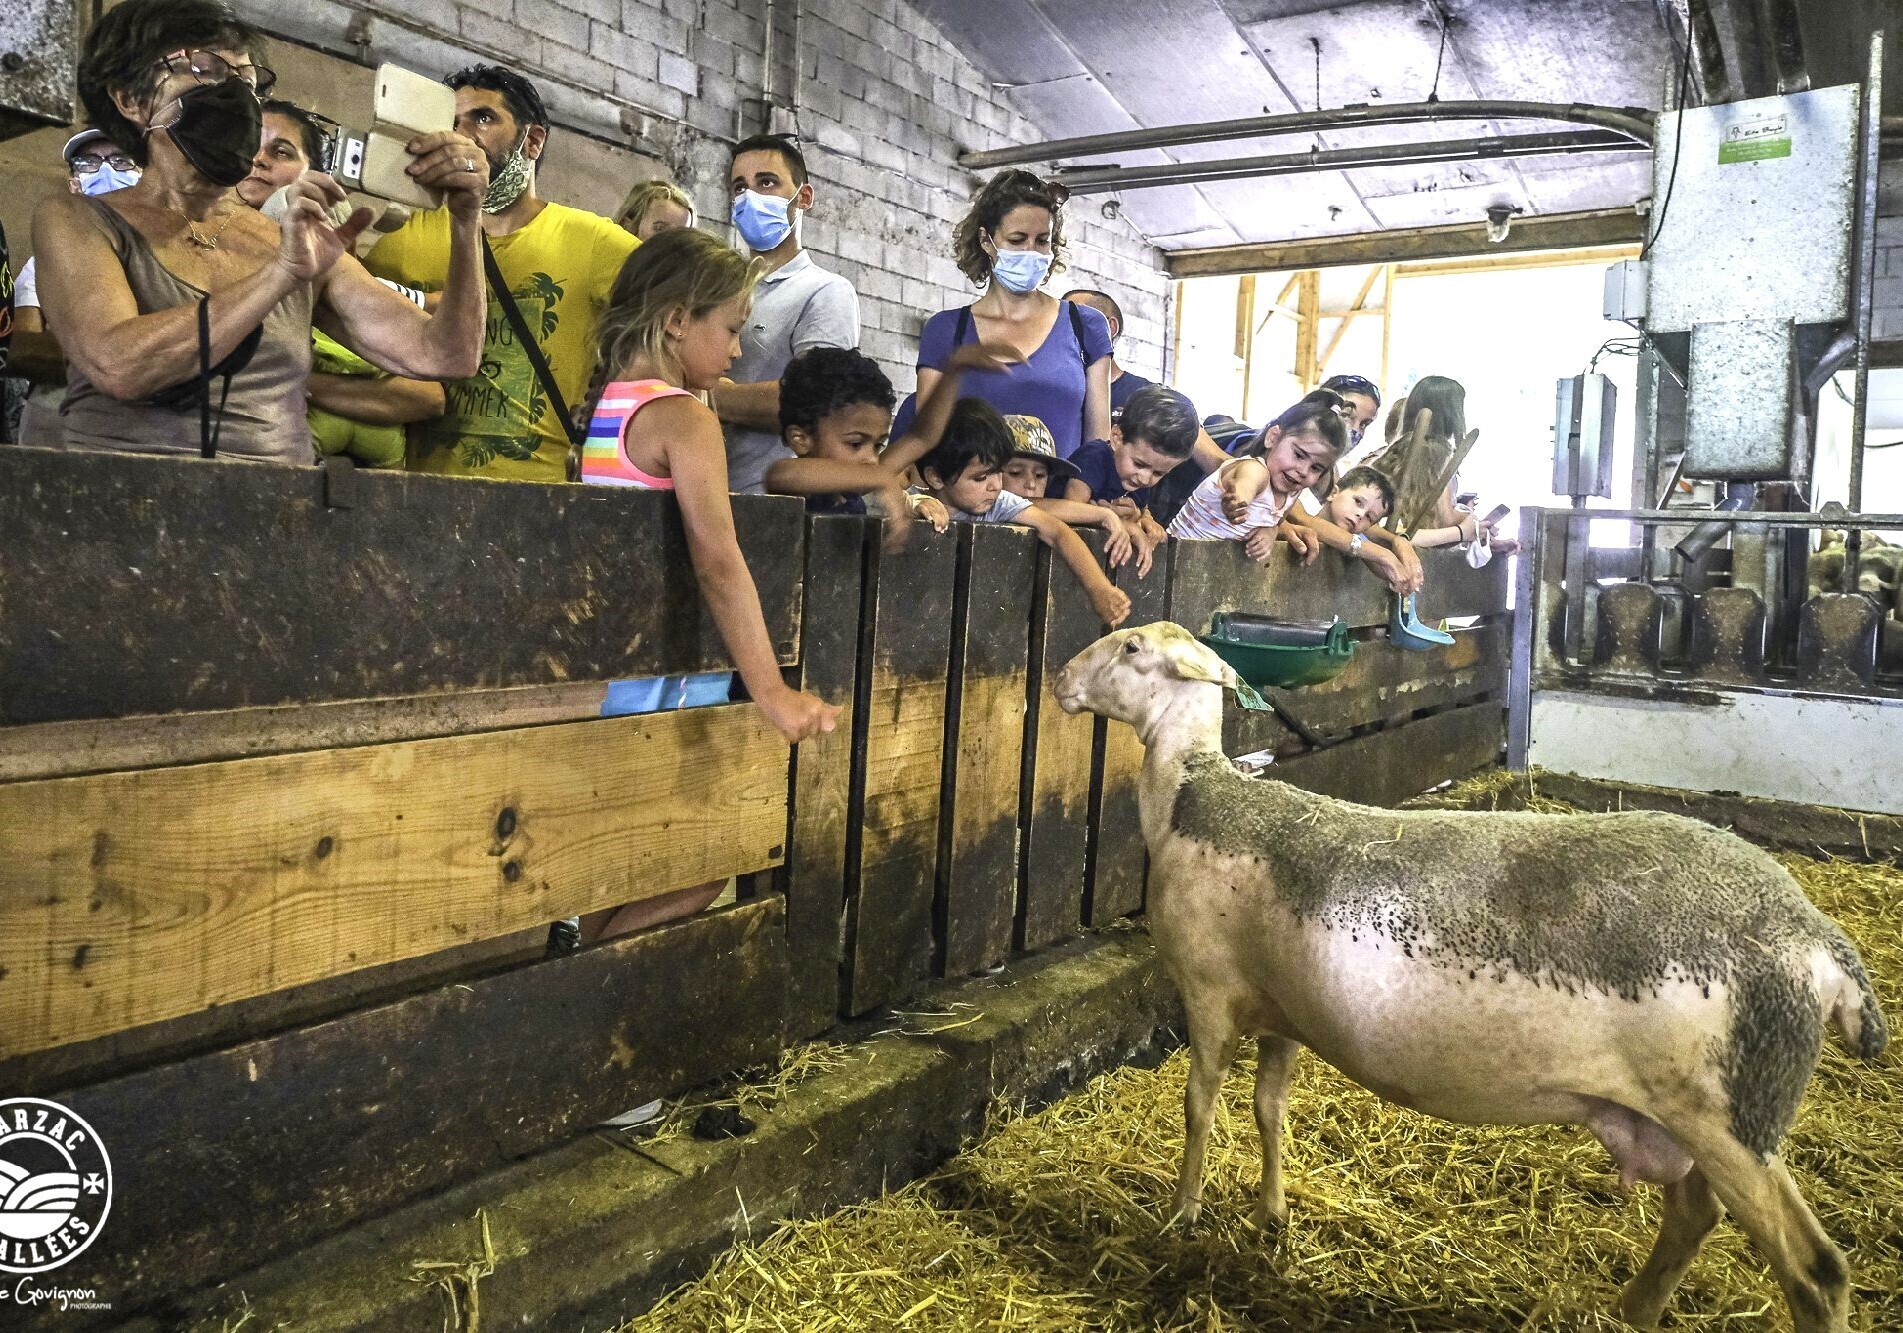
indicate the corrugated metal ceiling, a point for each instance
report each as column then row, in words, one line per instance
column 1079, row 67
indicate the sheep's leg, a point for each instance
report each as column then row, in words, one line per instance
column 1209, row 1059
column 1764, row 1199
column 1274, row 1069
column 1691, row 1211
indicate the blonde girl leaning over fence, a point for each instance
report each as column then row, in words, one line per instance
column 673, row 325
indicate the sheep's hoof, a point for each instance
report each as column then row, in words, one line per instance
column 1187, row 1211
column 1269, row 1219
column 1640, row 1306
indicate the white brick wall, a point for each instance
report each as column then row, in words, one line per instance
column 1887, row 320
column 886, row 106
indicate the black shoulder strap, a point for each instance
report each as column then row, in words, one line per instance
column 1077, row 332
column 530, row 347
column 964, row 327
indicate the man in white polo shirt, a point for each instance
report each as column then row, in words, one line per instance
column 798, row 305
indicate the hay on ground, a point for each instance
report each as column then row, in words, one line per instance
column 1398, row 1221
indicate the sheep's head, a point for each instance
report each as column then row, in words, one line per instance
column 1128, row 675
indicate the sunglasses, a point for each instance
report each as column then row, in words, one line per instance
column 1356, row 384
column 210, row 68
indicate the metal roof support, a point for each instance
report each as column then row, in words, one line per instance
column 1708, row 54
column 1785, row 45
column 1097, row 180
column 1633, row 123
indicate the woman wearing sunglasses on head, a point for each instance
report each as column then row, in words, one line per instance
column 185, row 315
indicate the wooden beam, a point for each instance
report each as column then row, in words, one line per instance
column 901, row 732
column 1245, row 335
column 1564, row 231
column 234, row 1157
column 147, row 584
column 1308, row 300
column 815, row 874
column 1341, row 329
column 1387, row 332
column 984, row 746
column 1387, row 767
column 1059, row 752
column 105, row 745
column 129, row 898
column 1114, row 879
column 1595, row 254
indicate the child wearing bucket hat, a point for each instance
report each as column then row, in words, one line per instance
column 1034, row 472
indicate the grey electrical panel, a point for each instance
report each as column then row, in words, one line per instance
column 1582, row 436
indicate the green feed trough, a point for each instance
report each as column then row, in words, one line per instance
column 1281, row 654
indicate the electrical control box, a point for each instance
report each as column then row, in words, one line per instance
column 1625, row 291
column 1582, row 436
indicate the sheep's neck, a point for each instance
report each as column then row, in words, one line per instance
column 1180, row 728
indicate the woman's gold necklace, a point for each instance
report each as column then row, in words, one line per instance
column 208, row 242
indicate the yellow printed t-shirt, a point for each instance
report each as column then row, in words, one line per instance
column 560, row 268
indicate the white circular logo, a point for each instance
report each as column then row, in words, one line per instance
column 55, row 1185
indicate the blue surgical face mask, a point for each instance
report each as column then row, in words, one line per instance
column 107, row 179
column 762, row 219
column 1021, row 270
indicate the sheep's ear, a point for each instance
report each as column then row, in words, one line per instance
column 1190, row 660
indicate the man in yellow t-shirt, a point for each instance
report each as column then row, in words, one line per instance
column 560, row 265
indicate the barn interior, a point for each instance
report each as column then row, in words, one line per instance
column 298, row 765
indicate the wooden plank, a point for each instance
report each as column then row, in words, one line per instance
column 1382, row 684
column 156, row 585
column 902, row 729
column 1114, row 877
column 1308, row 304
column 1060, row 750
column 1385, row 683
column 106, row 745
column 232, row 1158
column 129, row 898
column 984, row 746
column 1603, row 255
column 815, row 875
column 1555, row 234
column 1387, row 767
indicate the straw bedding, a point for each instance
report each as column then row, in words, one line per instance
column 1058, row 1220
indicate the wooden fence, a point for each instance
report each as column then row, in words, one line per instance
column 295, row 767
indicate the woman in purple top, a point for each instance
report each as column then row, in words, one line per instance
column 1010, row 240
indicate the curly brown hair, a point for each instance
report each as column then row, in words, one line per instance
column 123, row 49
column 1002, row 193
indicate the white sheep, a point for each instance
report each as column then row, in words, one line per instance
column 1653, row 978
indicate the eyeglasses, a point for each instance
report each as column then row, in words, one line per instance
column 208, row 67
column 86, row 164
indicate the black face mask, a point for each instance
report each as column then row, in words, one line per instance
column 218, row 128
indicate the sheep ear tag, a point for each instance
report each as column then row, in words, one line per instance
column 1246, row 696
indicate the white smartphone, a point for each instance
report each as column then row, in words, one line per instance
column 406, row 104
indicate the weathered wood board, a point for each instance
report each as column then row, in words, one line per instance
column 1114, row 884
column 1381, row 684
column 155, row 585
column 1387, row 767
column 1207, row 577
column 226, row 1160
column 978, row 834
column 815, row 873
column 128, row 898
column 1060, row 750
column 901, row 730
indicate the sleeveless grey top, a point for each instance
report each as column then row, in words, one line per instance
column 264, row 414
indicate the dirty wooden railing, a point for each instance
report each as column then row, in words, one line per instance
column 295, row 767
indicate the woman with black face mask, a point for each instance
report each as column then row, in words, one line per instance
column 185, row 315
